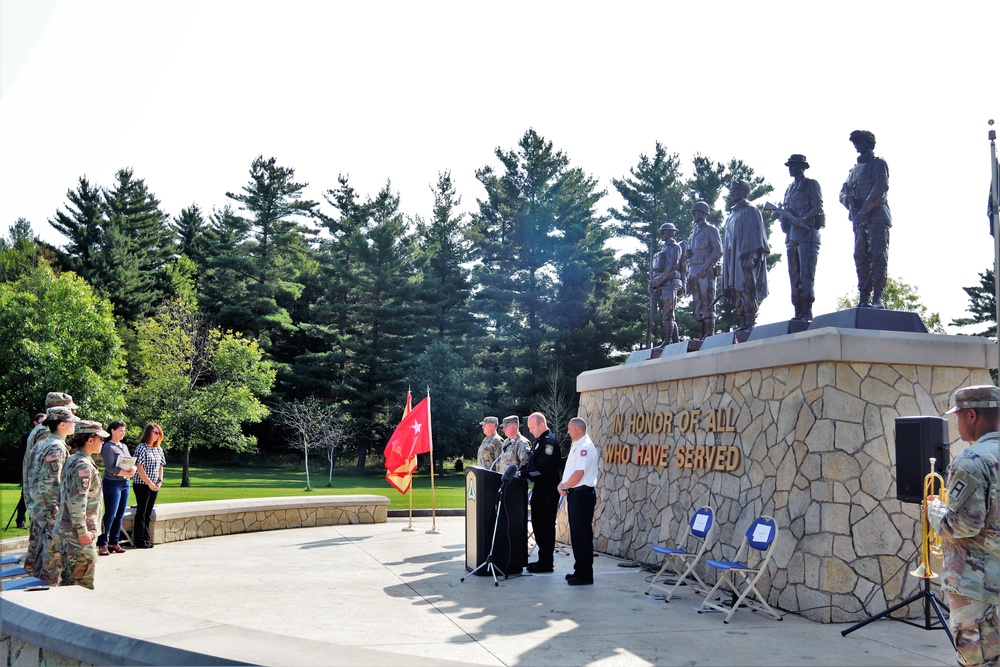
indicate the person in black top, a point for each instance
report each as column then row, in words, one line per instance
column 544, row 469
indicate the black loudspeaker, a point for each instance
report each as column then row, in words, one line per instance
column 918, row 440
column 510, row 553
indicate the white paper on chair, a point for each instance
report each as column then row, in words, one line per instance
column 700, row 521
column 762, row 533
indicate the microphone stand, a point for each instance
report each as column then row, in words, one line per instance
column 488, row 563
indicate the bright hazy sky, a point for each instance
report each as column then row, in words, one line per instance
column 189, row 93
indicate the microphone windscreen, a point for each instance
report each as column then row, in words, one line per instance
column 509, row 473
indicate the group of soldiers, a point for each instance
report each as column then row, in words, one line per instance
column 496, row 453
column 62, row 492
column 740, row 258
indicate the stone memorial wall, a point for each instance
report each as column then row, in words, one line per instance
column 799, row 427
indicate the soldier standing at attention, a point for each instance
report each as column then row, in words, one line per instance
column 44, row 478
column 667, row 280
column 864, row 196
column 77, row 524
column 801, row 219
column 41, row 432
column 969, row 526
column 704, row 250
column 515, row 449
column 489, row 450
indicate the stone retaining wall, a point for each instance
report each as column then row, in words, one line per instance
column 813, row 416
column 172, row 522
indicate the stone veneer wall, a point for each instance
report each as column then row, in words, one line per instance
column 815, row 418
column 172, row 522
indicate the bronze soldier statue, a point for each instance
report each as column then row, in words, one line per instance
column 667, row 279
column 801, row 218
column 703, row 252
column 864, row 196
column 744, row 255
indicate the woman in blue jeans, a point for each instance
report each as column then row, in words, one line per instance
column 115, row 489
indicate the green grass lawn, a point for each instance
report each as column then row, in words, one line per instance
column 225, row 482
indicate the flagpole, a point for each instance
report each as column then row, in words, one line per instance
column 430, row 436
column 409, row 528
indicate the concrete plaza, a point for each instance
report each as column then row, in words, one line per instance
column 375, row 594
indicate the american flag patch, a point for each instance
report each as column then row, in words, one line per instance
column 83, row 473
column 52, row 457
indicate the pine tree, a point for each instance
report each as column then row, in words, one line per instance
column 444, row 252
column 192, row 234
column 386, row 319
column 654, row 195
column 537, row 232
column 982, row 305
column 277, row 250
column 82, row 224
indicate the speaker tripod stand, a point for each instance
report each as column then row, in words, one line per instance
column 929, row 602
column 488, row 564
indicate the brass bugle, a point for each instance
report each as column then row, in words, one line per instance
column 930, row 541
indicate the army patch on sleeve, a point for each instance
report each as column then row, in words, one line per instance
column 957, row 490
column 583, row 452
column 52, row 457
column 549, row 450
column 85, row 472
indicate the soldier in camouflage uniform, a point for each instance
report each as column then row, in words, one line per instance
column 78, row 521
column 516, row 448
column 43, row 480
column 969, row 526
column 489, row 450
column 35, row 436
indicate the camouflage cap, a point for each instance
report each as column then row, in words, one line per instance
column 490, row 420
column 979, row 396
column 55, row 398
column 61, row 413
column 513, row 419
column 87, row 426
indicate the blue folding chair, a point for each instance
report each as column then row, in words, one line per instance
column 741, row 577
column 679, row 563
column 22, row 583
column 11, row 571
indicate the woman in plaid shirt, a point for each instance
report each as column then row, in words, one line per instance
column 149, row 464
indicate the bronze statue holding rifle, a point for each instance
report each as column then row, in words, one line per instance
column 667, row 281
column 801, row 217
column 703, row 252
column 864, row 196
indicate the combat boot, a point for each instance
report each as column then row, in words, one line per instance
column 877, row 299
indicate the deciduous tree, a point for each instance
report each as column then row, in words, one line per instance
column 57, row 335
column 899, row 296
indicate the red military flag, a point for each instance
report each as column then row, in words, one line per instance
column 411, row 437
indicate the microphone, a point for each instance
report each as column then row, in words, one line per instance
column 509, row 473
